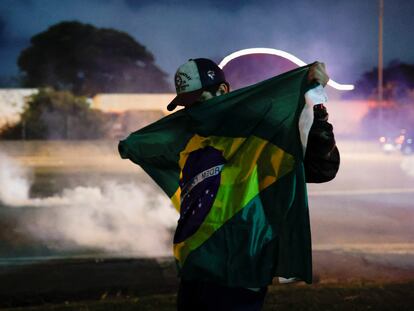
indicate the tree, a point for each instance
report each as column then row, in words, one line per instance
column 87, row 60
column 397, row 109
column 398, row 83
column 52, row 114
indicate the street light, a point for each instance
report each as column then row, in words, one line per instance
column 380, row 64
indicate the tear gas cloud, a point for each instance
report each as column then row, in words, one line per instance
column 14, row 182
column 121, row 218
column 407, row 165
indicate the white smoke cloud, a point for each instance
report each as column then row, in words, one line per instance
column 407, row 165
column 120, row 218
column 14, row 182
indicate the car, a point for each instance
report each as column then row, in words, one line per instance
column 387, row 144
column 391, row 143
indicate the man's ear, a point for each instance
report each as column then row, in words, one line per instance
column 223, row 89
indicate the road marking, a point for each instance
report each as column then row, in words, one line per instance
column 368, row 248
column 361, row 192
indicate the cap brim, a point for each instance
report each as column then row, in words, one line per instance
column 184, row 99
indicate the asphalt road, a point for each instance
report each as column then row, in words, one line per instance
column 369, row 207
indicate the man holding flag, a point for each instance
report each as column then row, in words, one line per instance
column 235, row 165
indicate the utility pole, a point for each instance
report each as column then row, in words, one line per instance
column 380, row 64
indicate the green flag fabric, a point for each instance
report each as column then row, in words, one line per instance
column 233, row 168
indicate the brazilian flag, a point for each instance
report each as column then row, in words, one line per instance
column 233, row 168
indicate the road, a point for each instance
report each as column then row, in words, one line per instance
column 369, row 207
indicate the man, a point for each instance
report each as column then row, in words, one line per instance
column 241, row 195
column 199, row 80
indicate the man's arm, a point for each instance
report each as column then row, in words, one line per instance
column 322, row 156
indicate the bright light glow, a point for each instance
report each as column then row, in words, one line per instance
column 288, row 56
column 400, row 139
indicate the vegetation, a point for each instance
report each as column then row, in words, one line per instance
column 397, row 109
column 52, row 114
column 87, row 60
column 398, row 83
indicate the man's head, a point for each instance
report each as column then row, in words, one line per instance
column 198, row 80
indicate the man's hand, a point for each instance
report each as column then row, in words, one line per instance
column 317, row 73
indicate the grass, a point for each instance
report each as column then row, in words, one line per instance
column 335, row 297
column 355, row 297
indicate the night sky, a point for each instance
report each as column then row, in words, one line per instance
column 343, row 34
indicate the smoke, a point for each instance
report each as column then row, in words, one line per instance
column 14, row 182
column 407, row 165
column 121, row 218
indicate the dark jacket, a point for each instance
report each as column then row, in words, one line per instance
column 322, row 156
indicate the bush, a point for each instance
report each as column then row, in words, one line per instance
column 52, row 114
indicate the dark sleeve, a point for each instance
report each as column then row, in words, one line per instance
column 322, row 156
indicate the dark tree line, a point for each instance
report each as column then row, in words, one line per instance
column 87, row 60
column 398, row 83
column 397, row 110
column 71, row 60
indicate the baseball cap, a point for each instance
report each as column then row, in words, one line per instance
column 192, row 77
